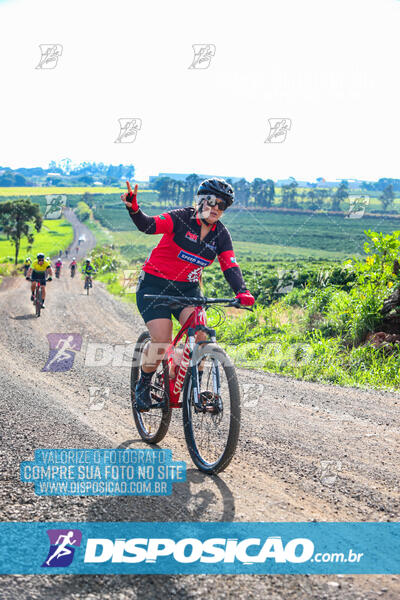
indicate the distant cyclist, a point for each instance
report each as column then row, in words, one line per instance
column 26, row 265
column 58, row 266
column 37, row 272
column 88, row 270
column 73, row 265
column 192, row 239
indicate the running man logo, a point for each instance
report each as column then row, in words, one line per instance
column 50, row 55
column 203, row 54
column 128, row 129
column 62, row 348
column 62, row 547
column 278, row 129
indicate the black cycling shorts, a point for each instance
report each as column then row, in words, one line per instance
column 39, row 276
column 150, row 284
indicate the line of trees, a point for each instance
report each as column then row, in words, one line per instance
column 66, row 173
column 262, row 193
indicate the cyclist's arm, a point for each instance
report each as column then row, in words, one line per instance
column 49, row 271
column 228, row 262
column 29, row 272
column 163, row 223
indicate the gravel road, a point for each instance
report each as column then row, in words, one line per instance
column 280, row 472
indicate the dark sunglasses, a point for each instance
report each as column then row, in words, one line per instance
column 212, row 201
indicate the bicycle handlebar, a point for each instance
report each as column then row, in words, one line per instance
column 30, row 279
column 201, row 301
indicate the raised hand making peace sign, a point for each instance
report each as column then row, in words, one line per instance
column 130, row 198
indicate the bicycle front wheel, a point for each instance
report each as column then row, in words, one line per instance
column 212, row 426
column 38, row 303
column 152, row 425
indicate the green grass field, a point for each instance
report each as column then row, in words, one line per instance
column 259, row 235
column 55, row 235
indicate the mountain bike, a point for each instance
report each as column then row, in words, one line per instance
column 206, row 378
column 37, row 296
column 58, row 269
column 73, row 269
column 88, row 283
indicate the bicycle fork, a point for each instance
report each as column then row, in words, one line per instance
column 216, row 382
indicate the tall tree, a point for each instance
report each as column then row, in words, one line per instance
column 191, row 184
column 387, row 197
column 17, row 220
column 263, row 191
column 270, row 192
column 321, row 195
column 289, row 194
column 164, row 186
column 242, row 191
column 341, row 194
column 177, row 192
column 258, row 189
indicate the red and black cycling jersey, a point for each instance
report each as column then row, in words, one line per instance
column 180, row 254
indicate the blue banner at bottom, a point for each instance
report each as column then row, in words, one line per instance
column 170, row 547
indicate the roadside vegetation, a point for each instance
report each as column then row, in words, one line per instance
column 319, row 280
column 54, row 236
column 317, row 331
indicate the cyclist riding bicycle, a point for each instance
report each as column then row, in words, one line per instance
column 37, row 272
column 73, row 264
column 192, row 238
column 58, row 266
column 26, row 265
column 88, row 268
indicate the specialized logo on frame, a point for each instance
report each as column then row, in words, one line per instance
column 50, row 53
column 63, row 543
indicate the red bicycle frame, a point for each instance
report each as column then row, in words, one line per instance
column 197, row 317
column 37, row 286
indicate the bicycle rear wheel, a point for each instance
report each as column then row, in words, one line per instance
column 38, row 303
column 152, row 425
column 212, row 431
